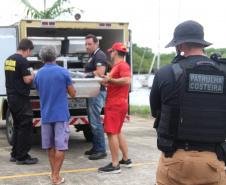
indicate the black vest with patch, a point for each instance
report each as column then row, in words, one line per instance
column 196, row 110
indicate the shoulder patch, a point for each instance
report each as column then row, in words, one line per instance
column 99, row 64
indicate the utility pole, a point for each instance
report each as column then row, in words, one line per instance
column 158, row 64
column 44, row 5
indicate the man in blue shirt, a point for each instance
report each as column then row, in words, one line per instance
column 53, row 82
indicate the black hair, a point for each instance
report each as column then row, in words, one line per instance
column 89, row 36
column 121, row 53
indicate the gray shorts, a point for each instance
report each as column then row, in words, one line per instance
column 55, row 134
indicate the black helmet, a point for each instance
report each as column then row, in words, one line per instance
column 188, row 31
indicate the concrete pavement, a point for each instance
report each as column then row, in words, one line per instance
column 77, row 169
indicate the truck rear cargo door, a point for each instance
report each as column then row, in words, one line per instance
column 8, row 46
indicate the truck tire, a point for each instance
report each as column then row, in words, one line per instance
column 88, row 133
column 9, row 127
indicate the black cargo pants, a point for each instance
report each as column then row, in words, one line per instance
column 22, row 114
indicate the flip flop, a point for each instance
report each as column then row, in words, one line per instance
column 62, row 181
column 50, row 175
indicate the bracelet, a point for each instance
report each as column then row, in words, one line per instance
column 109, row 80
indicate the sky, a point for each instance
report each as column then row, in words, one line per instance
column 152, row 21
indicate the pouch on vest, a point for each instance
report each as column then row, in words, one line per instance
column 167, row 146
column 157, row 119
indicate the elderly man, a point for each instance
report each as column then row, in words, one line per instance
column 53, row 82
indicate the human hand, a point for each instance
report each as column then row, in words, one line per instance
column 104, row 81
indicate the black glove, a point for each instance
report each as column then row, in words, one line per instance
column 90, row 75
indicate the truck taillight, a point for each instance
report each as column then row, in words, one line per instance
column 48, row 23
column 35, row 105
column 52, row 23
column 106, row 25
column 44, row 23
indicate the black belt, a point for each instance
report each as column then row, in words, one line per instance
column 197, row 147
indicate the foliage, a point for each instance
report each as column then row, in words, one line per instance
column 137, row 58
column 148, row 57
column 142, row 111
column 50, row 13
column 164, row 58
column 210, row 51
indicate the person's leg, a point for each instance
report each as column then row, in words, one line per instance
column 15, row 135
column 56, row 159
column 24, row 139
column 12, row 102
column 59, row 158
column 48, row 142
column 24, row 115
column 94, row 107
column 122, row 141
column 62, row 132
column 123, row 147
column 114, row 147
column 51, row 152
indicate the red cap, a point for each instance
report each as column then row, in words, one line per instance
column 118, row 46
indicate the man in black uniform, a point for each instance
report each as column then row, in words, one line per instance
column 18, row 77
column 188, row 100
column 97, row 66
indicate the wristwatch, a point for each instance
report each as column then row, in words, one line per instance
column 109, row 80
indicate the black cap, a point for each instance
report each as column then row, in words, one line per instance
column 188, row 31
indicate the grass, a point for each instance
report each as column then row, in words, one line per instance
column 142, row 111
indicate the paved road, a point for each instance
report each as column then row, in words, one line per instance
column 77, row 169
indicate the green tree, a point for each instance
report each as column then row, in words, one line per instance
column 164, row 58
column 210, row 51
column 50, row 13
column 148, row 58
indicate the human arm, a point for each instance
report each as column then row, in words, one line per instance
column 26, row 71
column 28, row 79
column 98, row 64
column 123, row 81
column 71, row 91
column 155, row 97
column 100, row 70
column 163, row 86
column 69, row 84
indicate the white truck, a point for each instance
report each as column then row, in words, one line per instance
column 69, row 39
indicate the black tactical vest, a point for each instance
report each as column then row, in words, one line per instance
column 196, row 110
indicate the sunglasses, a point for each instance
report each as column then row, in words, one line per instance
column 112, row 50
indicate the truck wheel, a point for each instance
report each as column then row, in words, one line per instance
column 88, row 133
column 9, row 127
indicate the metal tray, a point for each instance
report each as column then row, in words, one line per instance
column 77, row 45
column 87, row 87
column 39, row 42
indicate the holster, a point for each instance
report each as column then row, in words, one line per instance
column 221, row 151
